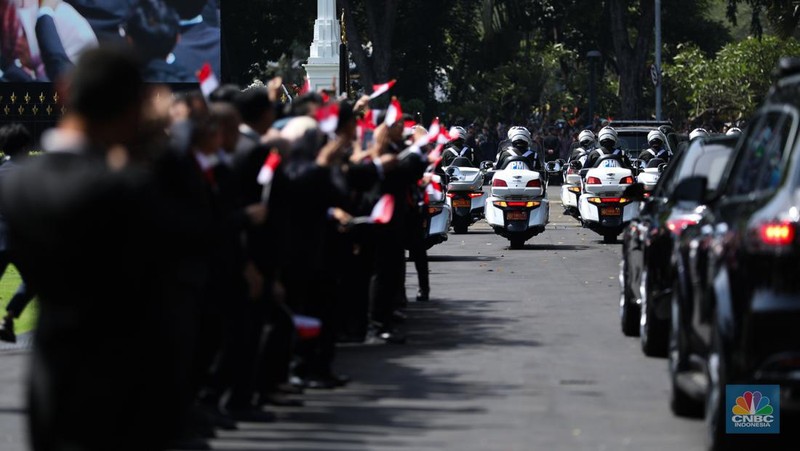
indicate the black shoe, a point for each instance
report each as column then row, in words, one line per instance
column 7, row 330
column 279, row 399
column 251, row 415
column 422, row 296
column 289, row 389
column 321, row 383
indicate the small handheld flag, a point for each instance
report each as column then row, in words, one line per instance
column 208, row 81
column 378, row 90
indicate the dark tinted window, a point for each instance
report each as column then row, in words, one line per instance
column 760, row 167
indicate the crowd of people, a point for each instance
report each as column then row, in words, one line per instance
column 196, row 259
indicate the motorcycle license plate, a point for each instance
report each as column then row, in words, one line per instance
column 517, row 215
column 611, row 211
column 461, row 203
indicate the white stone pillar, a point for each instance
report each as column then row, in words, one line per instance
column 323, row 64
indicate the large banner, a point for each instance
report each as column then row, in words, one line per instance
column 41, row 40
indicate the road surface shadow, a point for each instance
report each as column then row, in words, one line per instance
column 460, row 258
column 551, row 247
column 393, row 401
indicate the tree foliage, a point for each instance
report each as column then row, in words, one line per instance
column 729, row 86
column 481, row 57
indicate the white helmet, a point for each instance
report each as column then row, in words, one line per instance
column 517, row 128
column 656, row 135
column 520, row 134
column 586, row 136
column 607, row 133
column 698, row 133
column 457, row 133
column 734, row 131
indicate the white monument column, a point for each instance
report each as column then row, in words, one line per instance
column 323, row 64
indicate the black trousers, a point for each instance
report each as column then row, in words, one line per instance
column 23, row 295
column 388, row 279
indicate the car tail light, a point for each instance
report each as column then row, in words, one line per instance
column 474, row 195
column 534, row 184
column 626, row 181
column 677, row 225
column 593, row 181
column 777, row 234
column 499, row 182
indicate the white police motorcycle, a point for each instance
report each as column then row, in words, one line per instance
column 517, row 208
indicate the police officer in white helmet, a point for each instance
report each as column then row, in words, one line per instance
column 457, row 147
column 657, row 149
column 608, row 146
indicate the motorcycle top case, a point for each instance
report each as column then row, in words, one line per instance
column 517, row 184
column 610, row 181
column 464, row 179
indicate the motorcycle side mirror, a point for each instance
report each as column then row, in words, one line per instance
column 487, row 165
column 662, row 167
column 576, row 165
column 692, row 189
column 634, row 192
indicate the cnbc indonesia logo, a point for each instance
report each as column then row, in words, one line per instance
column 751, row 409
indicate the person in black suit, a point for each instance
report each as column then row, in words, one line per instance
column 85, row 222
column 200, row 39
column 15, row 140
column 388, row 285
column 152, row 31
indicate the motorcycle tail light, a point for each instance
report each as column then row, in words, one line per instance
column 593, row 181
column 608, row 200
column 574, row 189
column 626, row 181
column 474, row 195
column 777, row 234
column 534, row 184
column 451, row 195
column 499, row 182
column 433, row 211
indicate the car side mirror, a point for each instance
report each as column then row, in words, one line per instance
column 487, row 165
column 692, row 189
column 634, row 192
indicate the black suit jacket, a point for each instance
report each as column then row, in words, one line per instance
column 93, row 248
column 105, row 17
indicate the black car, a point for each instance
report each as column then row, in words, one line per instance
column 645, row 273
column 736, row 302
column 633, row 136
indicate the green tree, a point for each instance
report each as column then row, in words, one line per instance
column 729, row 86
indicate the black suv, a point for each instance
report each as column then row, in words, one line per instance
column 633, row 136
column 736, row 300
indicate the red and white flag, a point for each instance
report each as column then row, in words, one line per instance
column 307, row 327
column 328, row 118
column 267, row 173
column 208, row 81
column 394, row 113
column 378, row 90
column 383, row 211
column 434, row 190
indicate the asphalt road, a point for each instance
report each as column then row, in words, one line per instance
column 518, row 350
